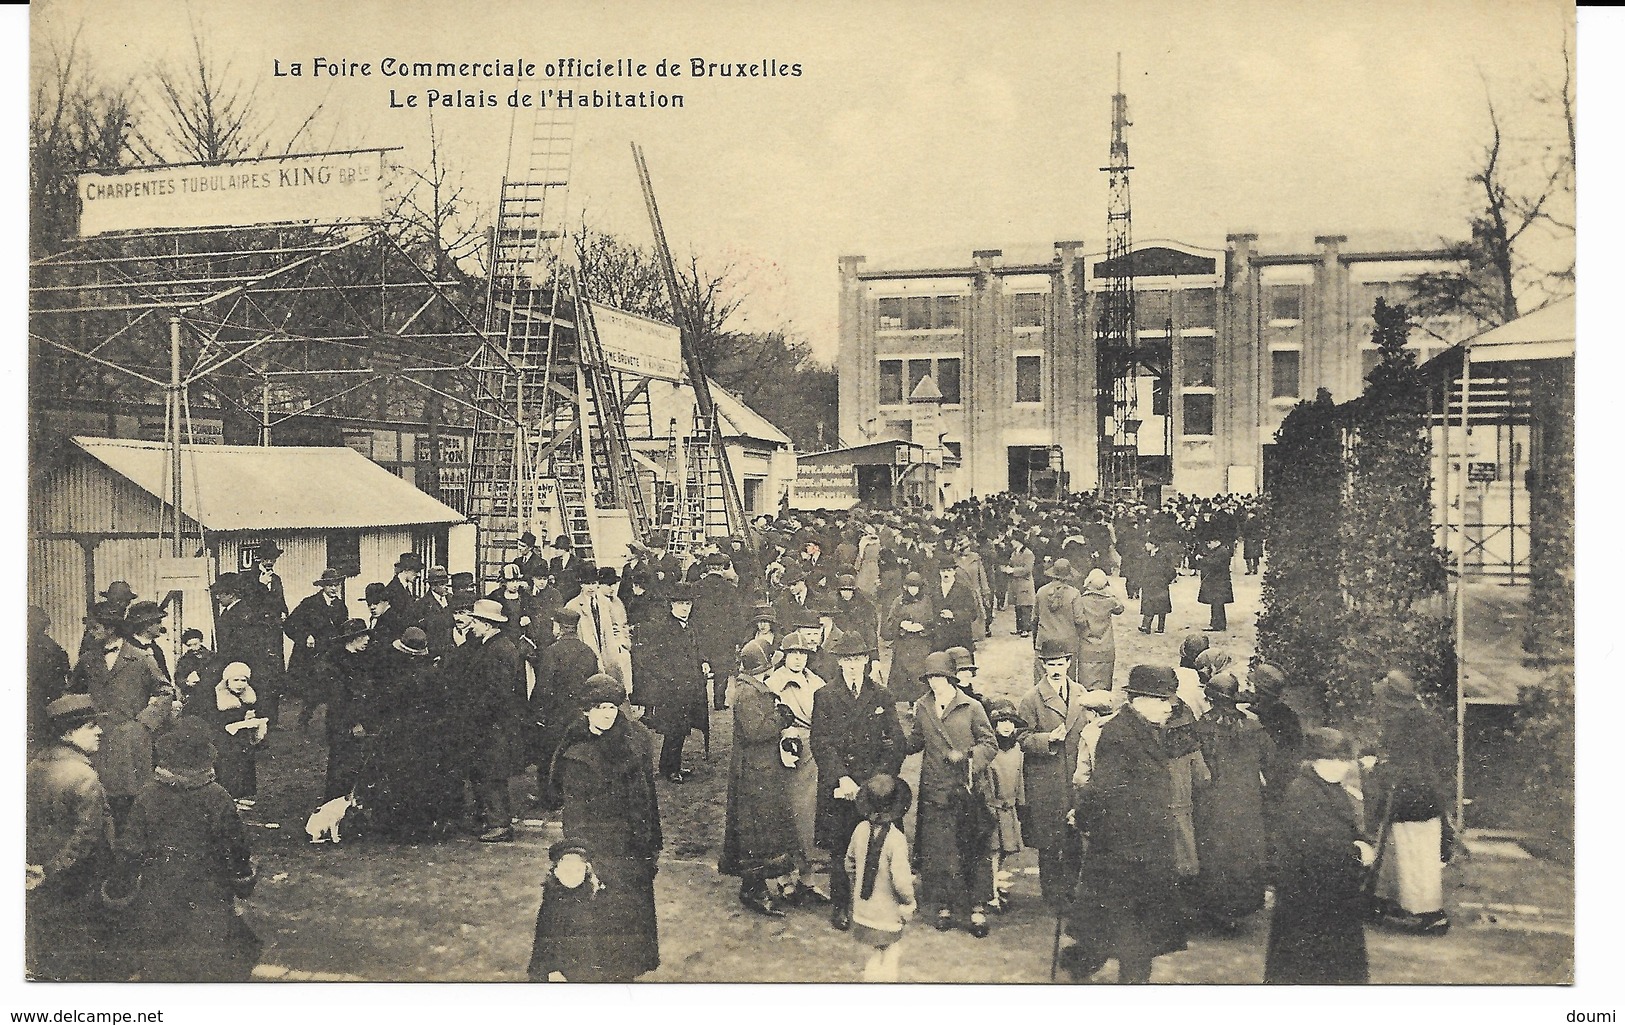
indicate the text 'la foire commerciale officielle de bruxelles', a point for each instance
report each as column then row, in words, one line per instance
column 468, row 79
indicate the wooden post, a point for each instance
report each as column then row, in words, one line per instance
column 1461, row 599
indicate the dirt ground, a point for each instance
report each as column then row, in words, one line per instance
column 465, row 911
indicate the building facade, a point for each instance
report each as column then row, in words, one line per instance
column 1009, row 344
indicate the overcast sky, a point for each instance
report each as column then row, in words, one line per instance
column 930, row 128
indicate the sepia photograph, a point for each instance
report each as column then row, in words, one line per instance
column 1043, row 493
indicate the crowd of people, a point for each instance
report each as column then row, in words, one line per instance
column 1159, row 798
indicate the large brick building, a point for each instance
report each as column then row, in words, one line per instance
column 1009, row 342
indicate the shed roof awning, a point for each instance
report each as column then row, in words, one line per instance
column 246, row 487
column 676, row 402
column 1547, row 333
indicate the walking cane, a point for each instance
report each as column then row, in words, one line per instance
column 1060, row 916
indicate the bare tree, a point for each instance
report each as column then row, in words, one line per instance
column 1521, row 240
column 207, row 112
column 75, row 123
column 435, row 217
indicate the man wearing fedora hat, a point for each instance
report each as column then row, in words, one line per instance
column 385, row 619
column 718, row 621
column 403, row 586
column 265, row 593
column 604, row 626
column 855, row 735
column 123, row 679
column 312, row 627
column 433, row 613
column 1130, row 911
column 120, row 594
column 69, row 844
column 489, row 676
column 1057, row 709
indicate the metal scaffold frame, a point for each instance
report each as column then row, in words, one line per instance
column 272, row 321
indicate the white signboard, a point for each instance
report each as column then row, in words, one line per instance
column 826, row 486
column 337, row 186
column 638, row 345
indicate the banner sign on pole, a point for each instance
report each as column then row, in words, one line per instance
column 638, row 345
column 322, row 187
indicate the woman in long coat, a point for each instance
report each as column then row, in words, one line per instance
column 603, row 781
column 1215, row 591
column 909, row 646
column 227, row 704
column 1230, row 831
column 1157, row 570
column 759, row 836
column 955, row 870
column 184, row 859
column 1317, row 931
column 1097, row 640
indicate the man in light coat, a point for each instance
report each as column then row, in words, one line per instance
column 1056, row 608
column 603, row 625
column 1022, row 590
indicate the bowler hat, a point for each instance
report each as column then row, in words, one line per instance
column 143, row 613
column 462, row 581
column 352, row 629
column 106, row 613
column 270, row 551
column 884, row 796
column 849, row 645
column 409, row 560
column 1324, row 742
column 1052, row 648
column 1061, row 569
column 490, row 610
column 607, row 575
column 70, row 711
column 329, row 577
column 413, row 641
column 602, row 688
column 937, row 664
column 186, row 747
column 376, row 593
column 562, row 542
column 119, row 591
column 1152, row 681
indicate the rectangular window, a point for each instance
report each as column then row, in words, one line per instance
column 891, row 382
column 917, row 313
column 1027, row 309
column 954, row 448
column 1029, row 382
column 1152, row 310
column 948, row 311
column 344, row 551
column 1198, row 414
column 917, row 371
column 1284, row 365
column 890, row 311
column 1196, row 362
column 948, row 381
column 1286, row 302
column 1199, row 307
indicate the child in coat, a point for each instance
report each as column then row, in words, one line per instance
column 196, row 664
column 1004, row 789
column 882, row 883
column 569, row 934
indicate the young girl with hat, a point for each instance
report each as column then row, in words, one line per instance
column 1003, row 787
column 570, row 940
column 877, row 861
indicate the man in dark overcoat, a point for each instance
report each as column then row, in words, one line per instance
column 489, row 683
column 855, row 736
column 433, row 612
column 312, row 626
column 564, row 568
column 562, row 670
column 263, row 591
column 718, row 620
column 1215, row 591
column 671, row 673
column 955, row 612
column 385, row 619
column 402, row 587
column 354, row 711
column 1131, row 909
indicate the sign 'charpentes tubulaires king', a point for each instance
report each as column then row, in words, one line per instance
column 319, row 187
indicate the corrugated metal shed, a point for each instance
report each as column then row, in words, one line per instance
column 245, row 487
